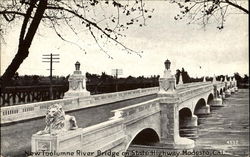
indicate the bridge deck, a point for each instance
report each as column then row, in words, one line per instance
column 17, row 136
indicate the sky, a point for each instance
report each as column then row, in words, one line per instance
column 189, row 46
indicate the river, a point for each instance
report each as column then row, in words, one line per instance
column 224, row 132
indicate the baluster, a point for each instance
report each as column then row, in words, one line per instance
column 4, row 98
column 1, row 99
column 32, row 95
column 14, row 97
column 8, row 99
column 23, row 97
column 42, row 95
column 28, row 96
column 37, row 95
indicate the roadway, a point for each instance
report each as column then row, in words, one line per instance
column 16, row 138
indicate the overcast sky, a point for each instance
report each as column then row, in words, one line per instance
column 188, row 46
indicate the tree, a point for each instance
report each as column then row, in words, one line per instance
column 246, row 79
column 185, row 76
column 177, row 75
column 77, row 15
column 237, row 77
column 203, row 11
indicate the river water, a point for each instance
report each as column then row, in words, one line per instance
column 224, row 132
column 227, row 128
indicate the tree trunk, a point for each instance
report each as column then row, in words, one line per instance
column 22, row 53
column 24, row 45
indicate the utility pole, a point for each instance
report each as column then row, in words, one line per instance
column 116, row 72
column 51, row 58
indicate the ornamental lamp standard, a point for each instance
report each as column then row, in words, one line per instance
column 77, row 65
column 167, row 64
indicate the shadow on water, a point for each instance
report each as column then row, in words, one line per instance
column 189, row 132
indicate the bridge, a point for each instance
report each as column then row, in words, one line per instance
column 158, row 120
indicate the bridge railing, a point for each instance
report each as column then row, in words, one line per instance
column 118, row 96
column 184, row 95
column 137, row 110
column 219, row 84
column 95, row 136
column 33, row 110
column 102, row 137
column 38, row 109
column 191, row 85
column 27, row 94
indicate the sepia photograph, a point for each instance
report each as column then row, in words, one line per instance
column 124, row 78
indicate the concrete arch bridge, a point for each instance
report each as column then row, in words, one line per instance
column 158, row 120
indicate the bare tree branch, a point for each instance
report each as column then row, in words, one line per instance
column 204, row 11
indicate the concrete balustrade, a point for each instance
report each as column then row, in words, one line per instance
column 137, row 110
column 34, row 110
column 191, row 85
column 186, row 94
column 112, row 134
column 102, row 137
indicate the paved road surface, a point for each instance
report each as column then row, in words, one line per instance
column 15, row 139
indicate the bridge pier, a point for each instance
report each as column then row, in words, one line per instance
column 188, row 127
column 235, row 85
column 170, row 113
column 203, row 110
column 236, row 89
column 189, row 122
column 232, row 90
column 223, row 96
column 227, row 93
column 216, row 102
column 170, row 128
column 193, row 121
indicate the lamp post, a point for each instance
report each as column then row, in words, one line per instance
column 167, row 83
column 77, row 84
column 77, row 65
column 167, row 71
column 167, row 64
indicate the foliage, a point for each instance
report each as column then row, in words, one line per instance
column 242, row 82
column 185, row 76
column 203, row 12
column 105, row 20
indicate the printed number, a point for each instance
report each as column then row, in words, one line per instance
column 233, row 142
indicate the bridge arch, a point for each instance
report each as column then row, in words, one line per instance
column 199, row 105
column 185, row 120
column 187, row 124
column 210, row 98
column 184, row 113
column 221, row 91
column 224, row 89
column 146, row 136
